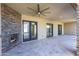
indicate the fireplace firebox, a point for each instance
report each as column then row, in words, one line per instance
column 14, row 38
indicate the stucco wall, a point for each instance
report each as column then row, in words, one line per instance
column 42, row 25
column 70, row 28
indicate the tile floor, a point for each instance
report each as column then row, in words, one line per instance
column 55, row 46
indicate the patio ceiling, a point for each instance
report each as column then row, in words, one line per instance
column 59, row 11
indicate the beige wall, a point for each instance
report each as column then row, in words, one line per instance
column 0, row 29
column 70, row 28
column 42, row 25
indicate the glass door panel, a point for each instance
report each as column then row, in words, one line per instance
column 48, row 30
column 51, row 30
column 26, row 31
column 33, row 30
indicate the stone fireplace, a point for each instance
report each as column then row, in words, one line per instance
column 10, row 27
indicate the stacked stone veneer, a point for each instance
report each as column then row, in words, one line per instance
column 10, row 24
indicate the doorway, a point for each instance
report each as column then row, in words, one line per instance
column 29, row 30
column 59, row 29
column 49, row 30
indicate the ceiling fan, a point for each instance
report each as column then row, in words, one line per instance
column 38, row 11
column 74, row 5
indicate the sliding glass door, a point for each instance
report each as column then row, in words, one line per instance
column 49, row 30
column 29, row 30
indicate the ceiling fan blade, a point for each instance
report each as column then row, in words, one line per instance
column 43, row 14
column 38, row 7
column 44, row 9
column 46, row 12
column 31, row 12
column 31, row 9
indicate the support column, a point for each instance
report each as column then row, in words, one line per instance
column 0, row 30
column 77, row 29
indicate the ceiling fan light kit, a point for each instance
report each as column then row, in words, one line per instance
column 39, row 13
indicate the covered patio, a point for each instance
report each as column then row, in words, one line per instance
column 64, row 45
column 27, row 31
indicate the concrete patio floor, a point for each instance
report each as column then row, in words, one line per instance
column 55, row 46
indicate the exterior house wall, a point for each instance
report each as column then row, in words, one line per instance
column 42, row 26
column 70, row 28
